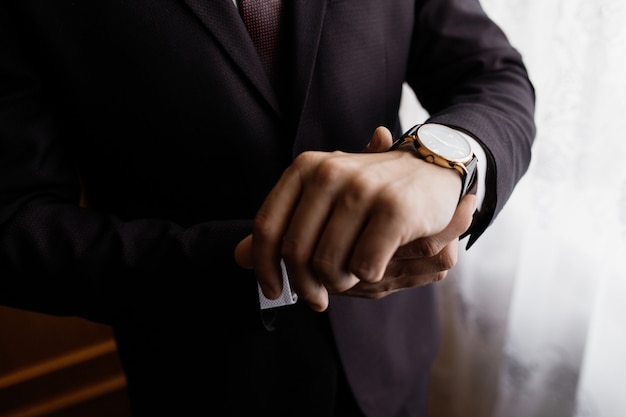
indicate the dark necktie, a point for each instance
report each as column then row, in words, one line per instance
column 262, row 18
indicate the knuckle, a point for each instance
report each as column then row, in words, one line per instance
column 429, row 247
column 293, row 252
column 355, row 193
column 329, row 171
column 329, row 272
column 304, row 159
column 388, row 197
column 447, row 258
column 367, row 272
column 360, row 183
column 261, row 226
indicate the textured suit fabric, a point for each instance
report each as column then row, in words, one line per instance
column 161, row 110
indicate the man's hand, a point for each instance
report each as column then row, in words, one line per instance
column 423, row 261
column 364, row 224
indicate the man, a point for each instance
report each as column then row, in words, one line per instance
column 202, row 174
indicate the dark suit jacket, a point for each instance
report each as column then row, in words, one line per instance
column 163, row 111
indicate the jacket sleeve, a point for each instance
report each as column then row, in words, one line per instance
column 57, row 257
column 466, row 74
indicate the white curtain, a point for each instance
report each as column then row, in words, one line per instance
column 534, row 315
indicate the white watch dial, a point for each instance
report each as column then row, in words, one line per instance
column 444, row 141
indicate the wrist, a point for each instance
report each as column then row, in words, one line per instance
column 442, row 146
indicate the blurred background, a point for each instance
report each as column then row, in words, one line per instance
column 534, row 316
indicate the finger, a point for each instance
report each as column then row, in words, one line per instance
column 377, row 290
column 330, row 260
column 243, row 253
column 380, row 142
column 306, row 225
column 409, row 273
column 270, row 225
column 444, row 260
column 375, row 248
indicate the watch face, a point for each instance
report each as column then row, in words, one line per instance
column 444, row 141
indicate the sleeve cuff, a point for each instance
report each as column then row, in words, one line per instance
column 481, row 168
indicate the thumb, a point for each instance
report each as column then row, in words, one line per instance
column 461, row 221
column 243, row 253
column 380, row 142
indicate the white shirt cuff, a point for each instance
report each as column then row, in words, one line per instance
column 481, row 167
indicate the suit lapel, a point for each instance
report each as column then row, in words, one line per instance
column 222, row 19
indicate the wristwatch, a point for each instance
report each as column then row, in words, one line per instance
column 444, row 146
